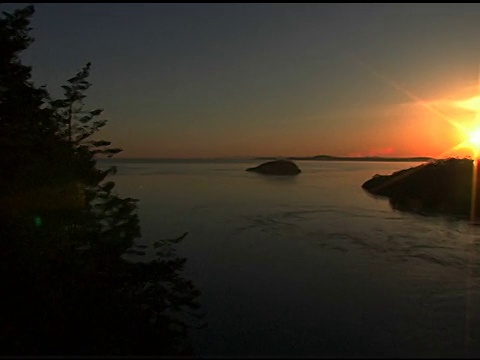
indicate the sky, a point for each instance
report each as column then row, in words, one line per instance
column 228, row 80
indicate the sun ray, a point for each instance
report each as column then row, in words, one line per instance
column 411, row 95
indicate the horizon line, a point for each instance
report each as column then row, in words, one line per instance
column 259, row 157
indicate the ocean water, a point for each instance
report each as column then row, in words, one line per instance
column 312, row 265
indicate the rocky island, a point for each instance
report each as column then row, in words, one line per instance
column 441, row 186
column 277, row 167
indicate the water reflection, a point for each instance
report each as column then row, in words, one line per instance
column 277, row 179
column 76, row 282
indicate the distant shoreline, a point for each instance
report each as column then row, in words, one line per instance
column 269, row 158
column 351, row 158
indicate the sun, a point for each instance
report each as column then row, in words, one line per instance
column 473, row 142
column 469, row 130
column 474, row 138
column 471, row 134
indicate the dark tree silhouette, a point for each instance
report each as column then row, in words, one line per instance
column 68, row 288
column 27, row 127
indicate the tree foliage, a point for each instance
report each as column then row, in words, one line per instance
column 27, row 127
column 68, row 286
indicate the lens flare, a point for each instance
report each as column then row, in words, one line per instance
column 474, row 138
column 471, row 141
column 471, row 134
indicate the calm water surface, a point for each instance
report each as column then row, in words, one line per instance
column 312, row 266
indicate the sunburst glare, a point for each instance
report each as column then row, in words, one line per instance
column 469, row 128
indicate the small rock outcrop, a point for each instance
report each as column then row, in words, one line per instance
column 277, row 167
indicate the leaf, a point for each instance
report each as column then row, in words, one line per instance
column 101, row 143
column 73, row 79
column 57, row 104
column 81, row 87
column 99, row 124
column 112, row 170
column 77, row 96
column 111, row 152
column 108, row 186
column 96, row 112
column 162, row 242
column 85, row 119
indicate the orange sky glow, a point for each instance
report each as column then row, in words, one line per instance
column 270, row 80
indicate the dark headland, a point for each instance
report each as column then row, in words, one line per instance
column 436, row 187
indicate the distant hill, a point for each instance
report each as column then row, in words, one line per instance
column 351, row 158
